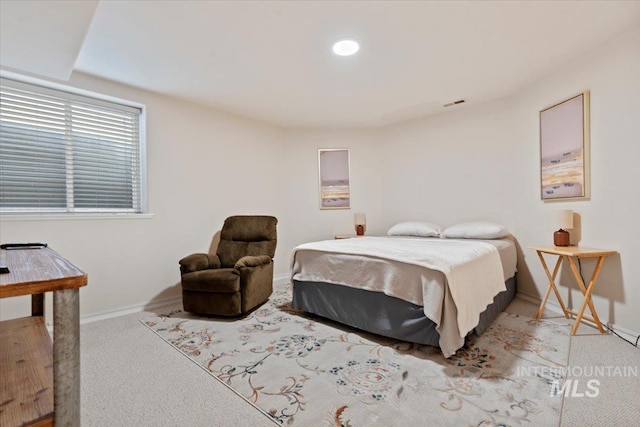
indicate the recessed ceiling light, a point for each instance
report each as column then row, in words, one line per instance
column 345, row 47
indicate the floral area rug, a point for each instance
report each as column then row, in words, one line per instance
column 303, row 370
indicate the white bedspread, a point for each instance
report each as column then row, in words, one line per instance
column 472, row 269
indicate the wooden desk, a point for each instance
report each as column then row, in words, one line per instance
column 571, row 252
column 26, row 387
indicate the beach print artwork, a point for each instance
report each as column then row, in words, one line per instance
column 563, row 145
column 334, row 178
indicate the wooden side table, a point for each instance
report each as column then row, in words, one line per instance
column 571, row 252
column 345, row 236
column 26, row 393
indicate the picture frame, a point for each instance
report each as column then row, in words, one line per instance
column 334, row 178
column 565, row 150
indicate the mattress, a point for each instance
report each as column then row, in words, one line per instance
column 415, row 287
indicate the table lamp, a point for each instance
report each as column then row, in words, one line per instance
column 564, row 220
column 360, row 221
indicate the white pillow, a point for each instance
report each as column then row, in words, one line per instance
column 415, row 228
column 475, row 230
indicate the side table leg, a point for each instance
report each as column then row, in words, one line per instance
column 586, row 291
column 552, row 285
column 66, row 357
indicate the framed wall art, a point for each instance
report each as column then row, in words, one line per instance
column 564, row 150
column 333, row 168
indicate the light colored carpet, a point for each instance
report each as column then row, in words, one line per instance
column 303, row 372
column 130, row 377
column 618, row 399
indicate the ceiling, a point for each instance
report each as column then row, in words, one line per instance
column 43, row 38
column 272, row 60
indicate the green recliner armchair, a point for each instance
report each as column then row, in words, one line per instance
column 239, row 277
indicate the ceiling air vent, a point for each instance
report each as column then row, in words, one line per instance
column 460, row 101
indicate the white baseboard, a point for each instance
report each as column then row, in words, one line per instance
column 281, row 279
column 627, row 333
column 535, row 300
column 110, row 314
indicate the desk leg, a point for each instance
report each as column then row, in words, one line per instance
column 552, row 285
column 586, row 291
column 66, row 357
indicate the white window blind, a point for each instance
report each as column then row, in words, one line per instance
column 63, row 152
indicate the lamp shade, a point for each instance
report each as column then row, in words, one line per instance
column 564, row 219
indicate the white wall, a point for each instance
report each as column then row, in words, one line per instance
column 450, row 167
column 610, row 219
column 203, row 165
column 476, row 162
column 482, row 162
column 300, row 188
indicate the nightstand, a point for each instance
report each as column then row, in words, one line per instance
column 571, row 252
column 346, row 236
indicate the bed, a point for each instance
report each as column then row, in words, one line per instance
column 430, row 291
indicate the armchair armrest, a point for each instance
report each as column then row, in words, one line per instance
column 252, row 261
column 196, row 262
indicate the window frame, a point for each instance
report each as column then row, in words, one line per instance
column 46, row 87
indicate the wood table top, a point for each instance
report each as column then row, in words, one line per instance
column 577, row 251
column 35, row 271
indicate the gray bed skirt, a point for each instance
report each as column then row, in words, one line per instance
column 381, row 314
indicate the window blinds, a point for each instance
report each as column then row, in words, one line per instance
column 62, row 152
